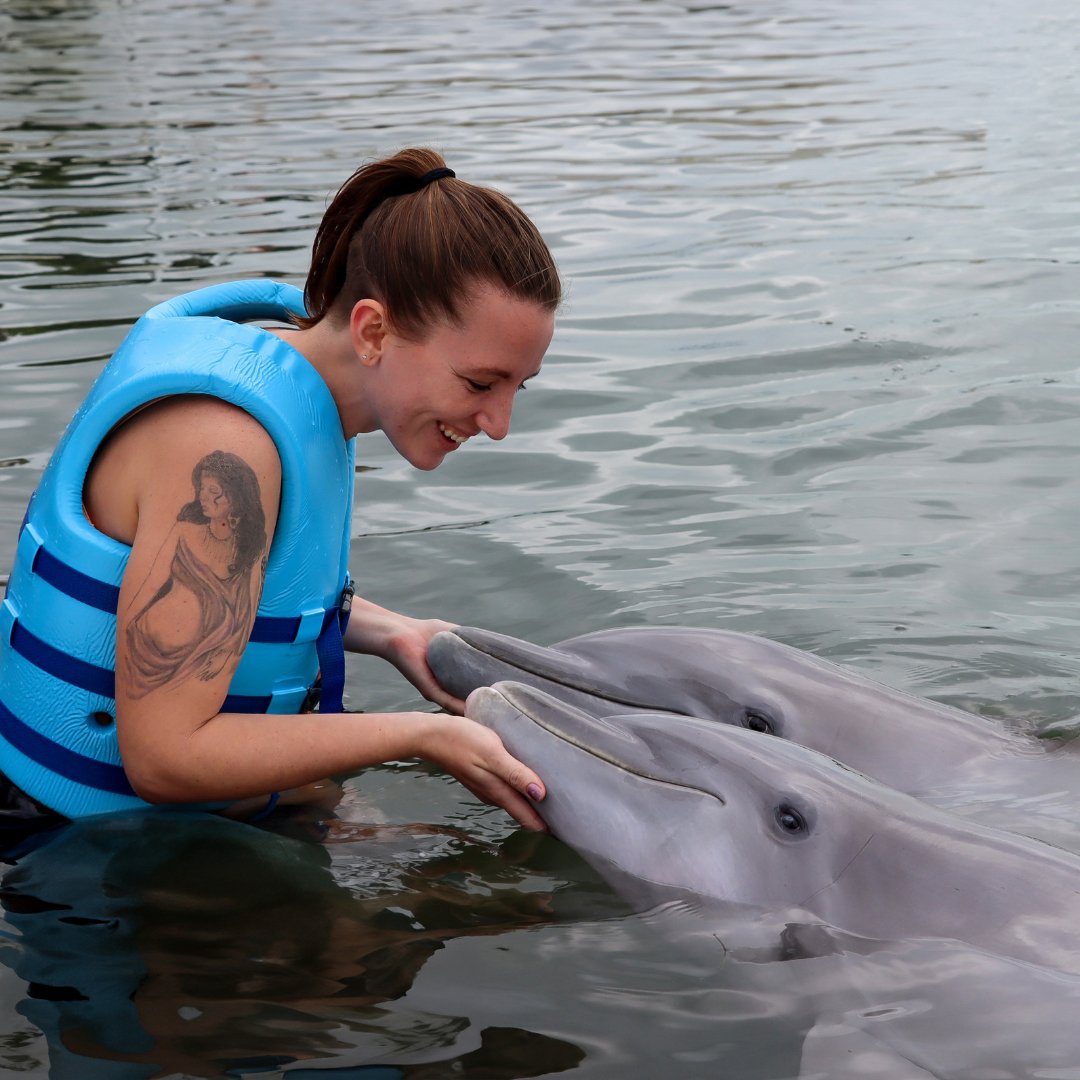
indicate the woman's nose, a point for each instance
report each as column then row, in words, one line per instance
column 494, row 418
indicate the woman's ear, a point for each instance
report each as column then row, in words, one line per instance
column 368, row 328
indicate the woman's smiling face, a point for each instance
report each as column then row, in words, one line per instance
column 430, row 396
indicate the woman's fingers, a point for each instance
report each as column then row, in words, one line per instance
column 426, row 684
column 476, row 757
column 515, row 787
column 523, row 812
column 519, row 806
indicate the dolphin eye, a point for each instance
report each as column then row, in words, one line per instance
column 755, row 721
column 790, row 820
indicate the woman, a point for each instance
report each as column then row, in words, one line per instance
column 133, row 666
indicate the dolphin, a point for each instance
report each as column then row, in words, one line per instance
column 665, row 807
column 920, row 747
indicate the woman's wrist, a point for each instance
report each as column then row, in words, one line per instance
column 439, row 737
column 373, row 629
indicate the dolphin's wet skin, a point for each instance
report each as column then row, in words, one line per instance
column 765, row 836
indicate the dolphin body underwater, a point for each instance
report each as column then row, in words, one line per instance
column 920, row 747
column 672, row 807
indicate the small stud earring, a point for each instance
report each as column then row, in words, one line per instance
column 363, row 357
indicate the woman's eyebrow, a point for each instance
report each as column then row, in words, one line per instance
column 500, row 373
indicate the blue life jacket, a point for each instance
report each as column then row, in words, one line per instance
column 58, row 621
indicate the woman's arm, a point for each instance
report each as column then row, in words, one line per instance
column 175, row 745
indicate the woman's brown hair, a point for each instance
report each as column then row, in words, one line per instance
column 420, row 252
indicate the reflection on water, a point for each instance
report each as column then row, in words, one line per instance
column 176, row 944
column 816, row 379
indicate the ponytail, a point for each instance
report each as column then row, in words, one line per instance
column 406, row 232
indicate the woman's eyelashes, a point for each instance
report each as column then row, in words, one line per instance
column 478, row 387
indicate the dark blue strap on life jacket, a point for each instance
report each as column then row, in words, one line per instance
column 65, row 578
column 69, row 669
column 268, row 809
column 331, row 650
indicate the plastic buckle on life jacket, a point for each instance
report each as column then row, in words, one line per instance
column 313, row 697
column 345, row 607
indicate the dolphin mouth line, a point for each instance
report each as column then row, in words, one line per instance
column 629, row 702
column 610, row 758
column 567, row 679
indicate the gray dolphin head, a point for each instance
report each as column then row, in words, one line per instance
column 686, row 806
column 731, row 678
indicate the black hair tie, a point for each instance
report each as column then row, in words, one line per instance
column 435, row 174
column 407, row 185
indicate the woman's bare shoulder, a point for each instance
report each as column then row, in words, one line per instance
column 150, row 458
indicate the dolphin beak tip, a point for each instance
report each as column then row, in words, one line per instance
column 481, row 696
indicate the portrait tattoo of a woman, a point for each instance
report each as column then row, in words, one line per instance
column 199, row 617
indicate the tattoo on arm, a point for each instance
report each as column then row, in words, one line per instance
column 198, row 621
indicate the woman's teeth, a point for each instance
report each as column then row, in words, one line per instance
column 453, row 436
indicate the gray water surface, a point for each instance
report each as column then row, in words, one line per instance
column 815, row 378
